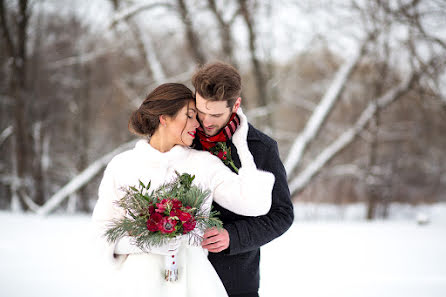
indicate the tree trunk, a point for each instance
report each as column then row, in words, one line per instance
column 225, row 34
column 191, row 35
column 83, row 124
column 257, row 67
column 18, row 55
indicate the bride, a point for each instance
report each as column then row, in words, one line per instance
column 167, row 122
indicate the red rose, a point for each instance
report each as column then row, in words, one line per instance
column 220, row 154
column 167, row 225
column 153, row 221
column 163, row 205
column 183, row 216
column 151, row 209
column 176, row 203
column 189, row 225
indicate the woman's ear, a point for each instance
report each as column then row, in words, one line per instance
column 163, row 120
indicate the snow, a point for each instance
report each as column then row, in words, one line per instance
column 51, row 256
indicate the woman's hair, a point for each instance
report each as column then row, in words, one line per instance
column 167, row 99
column 218, row 81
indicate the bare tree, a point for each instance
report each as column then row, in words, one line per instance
column 225, row 32
column 17, row 51
column 256, row 64
column 191, row 35
column 304, row 177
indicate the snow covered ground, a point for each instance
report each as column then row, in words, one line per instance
column 49, row 256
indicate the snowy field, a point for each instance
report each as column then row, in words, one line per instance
column 397, row 258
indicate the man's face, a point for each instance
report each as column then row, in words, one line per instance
column 214, row 115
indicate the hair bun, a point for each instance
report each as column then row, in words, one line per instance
column 142, row 124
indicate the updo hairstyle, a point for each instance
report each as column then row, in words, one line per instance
column 167, row 99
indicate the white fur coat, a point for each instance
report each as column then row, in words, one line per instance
column 248, row 193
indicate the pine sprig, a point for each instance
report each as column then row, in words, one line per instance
column 138, row 204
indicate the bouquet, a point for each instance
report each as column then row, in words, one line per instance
column 152, row 218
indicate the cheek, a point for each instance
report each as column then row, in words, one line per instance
column 220, row 122
column 200, row 117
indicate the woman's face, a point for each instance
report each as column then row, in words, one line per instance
column 181, row 128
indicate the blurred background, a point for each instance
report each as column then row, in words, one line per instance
column 354, row 92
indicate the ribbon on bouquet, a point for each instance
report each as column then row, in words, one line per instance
column 171, row 260
column 171, row 268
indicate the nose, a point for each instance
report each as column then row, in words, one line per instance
column 196, row 123
column 205, row 120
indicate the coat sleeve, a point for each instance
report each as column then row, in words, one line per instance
column 104, row 211
column 248, row 193
column 250, row 233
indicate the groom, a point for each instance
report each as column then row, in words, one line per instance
column 235, row 250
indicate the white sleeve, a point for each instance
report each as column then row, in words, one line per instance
column 125, row 246
column 104, row 211
column 250, row 192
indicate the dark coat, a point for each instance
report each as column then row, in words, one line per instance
column 238, row 266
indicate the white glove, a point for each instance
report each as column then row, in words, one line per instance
column 126, row 246
column 239, row 139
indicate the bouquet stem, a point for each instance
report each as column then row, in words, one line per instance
column 171, row 271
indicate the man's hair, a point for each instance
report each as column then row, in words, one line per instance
column 218, row 82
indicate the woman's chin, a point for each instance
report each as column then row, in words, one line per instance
column 187, row 142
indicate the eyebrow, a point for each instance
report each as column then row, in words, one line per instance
column 213, row 114
column 192, row 109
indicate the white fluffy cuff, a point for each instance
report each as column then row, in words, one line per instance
column 257, row 185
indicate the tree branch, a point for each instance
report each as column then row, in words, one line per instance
column 135, row 9
column 80, row 180
column 300, row 181
column 192, row 38
column 6, row 133
column 321, row 112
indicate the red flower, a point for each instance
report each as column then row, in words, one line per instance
column 189, row 225
column 153, row 221
column 151, row 209
column 183, row 216
column 163, row 205
column 176, row 203
column 167, row 225
column 220, row 154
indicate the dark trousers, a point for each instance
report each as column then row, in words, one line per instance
column 254, row 294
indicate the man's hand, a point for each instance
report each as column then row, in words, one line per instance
column 215, row 240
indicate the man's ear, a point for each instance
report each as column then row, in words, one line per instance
column 236, row 104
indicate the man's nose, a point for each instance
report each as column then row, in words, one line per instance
column 196, row 123
column 205, row 120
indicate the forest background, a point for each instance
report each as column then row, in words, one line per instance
column 353, row 91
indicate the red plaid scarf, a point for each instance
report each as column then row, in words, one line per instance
column 207, row 142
